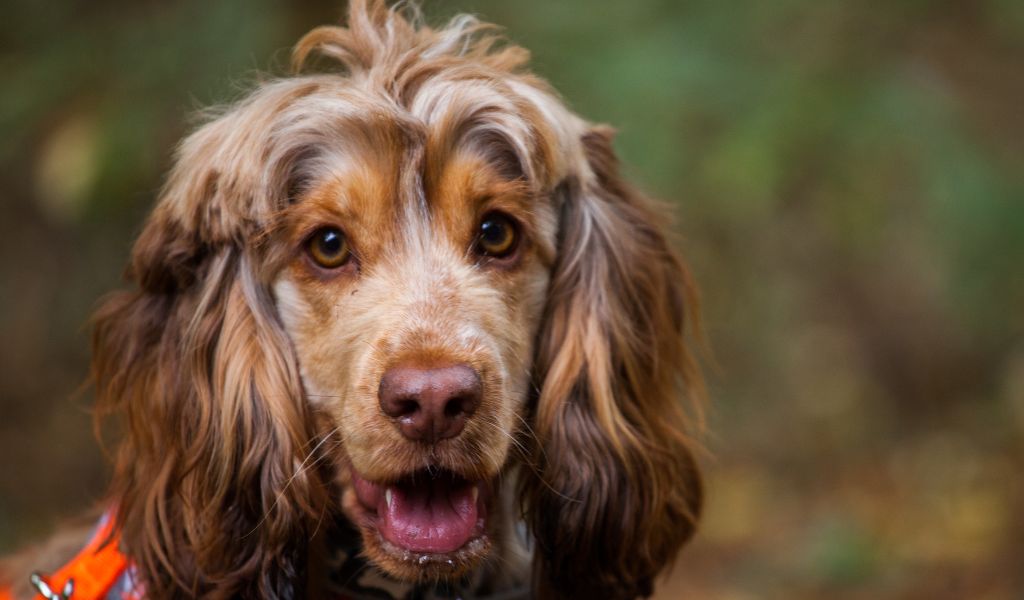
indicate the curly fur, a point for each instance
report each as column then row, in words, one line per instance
column 243, row 381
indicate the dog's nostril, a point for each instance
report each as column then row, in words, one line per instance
column 462, row 406
column 453, row 407
column 429, row 405
column 406, row 408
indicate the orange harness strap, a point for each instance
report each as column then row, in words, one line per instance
column 93, row 571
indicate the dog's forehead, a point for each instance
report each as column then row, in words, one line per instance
column 455, row 147
column 513, row 121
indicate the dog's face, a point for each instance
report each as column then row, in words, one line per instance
column 417, row 271
column 418, row 293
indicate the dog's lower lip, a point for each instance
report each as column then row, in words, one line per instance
column 434, row 513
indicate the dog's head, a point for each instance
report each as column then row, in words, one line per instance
column 404, row 291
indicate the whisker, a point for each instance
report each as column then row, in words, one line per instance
column 529, row 463
column 301, row 470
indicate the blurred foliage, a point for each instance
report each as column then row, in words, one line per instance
column 849, row 179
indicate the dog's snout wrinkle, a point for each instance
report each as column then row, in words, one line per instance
column 430, row 405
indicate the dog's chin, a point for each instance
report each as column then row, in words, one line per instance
column 426, row 526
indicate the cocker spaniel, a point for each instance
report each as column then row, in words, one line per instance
column 398, row 325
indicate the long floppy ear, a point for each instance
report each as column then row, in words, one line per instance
column 209, row 489
column 617, row 491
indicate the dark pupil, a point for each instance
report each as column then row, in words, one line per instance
column 330, row 242
column 492, row 233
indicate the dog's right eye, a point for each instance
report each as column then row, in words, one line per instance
column 498, row 235
column 328, row 248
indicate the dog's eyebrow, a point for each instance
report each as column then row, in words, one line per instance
column 488, row 135
column 317, row 212
column 487, row 120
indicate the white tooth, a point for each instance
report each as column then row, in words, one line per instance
column 476, row 492
column 387, row 497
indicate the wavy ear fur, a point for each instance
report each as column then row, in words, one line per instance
column 618, row 490
column 193, row 363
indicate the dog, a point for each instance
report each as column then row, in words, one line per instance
column 396, row 325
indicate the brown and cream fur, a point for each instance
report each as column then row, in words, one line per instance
column 245, row 378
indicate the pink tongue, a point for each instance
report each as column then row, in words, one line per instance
column 433, row 515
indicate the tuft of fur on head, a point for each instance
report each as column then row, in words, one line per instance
column 227, row 466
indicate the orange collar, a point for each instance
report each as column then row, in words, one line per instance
column 90, row 575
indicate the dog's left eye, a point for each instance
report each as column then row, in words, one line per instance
column 328, row 248
column 497, row 236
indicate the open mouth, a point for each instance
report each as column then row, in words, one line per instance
column 425, row 512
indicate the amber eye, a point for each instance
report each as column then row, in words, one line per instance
column 497, row 236
column 328, row 248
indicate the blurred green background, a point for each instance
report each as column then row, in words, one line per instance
column 849, row 179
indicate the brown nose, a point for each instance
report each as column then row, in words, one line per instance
column 430, row 405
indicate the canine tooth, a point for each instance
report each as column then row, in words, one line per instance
column 388, row 497
column 475, row 493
